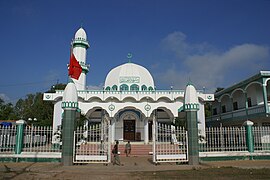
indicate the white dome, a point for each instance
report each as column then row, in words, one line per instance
column 81, row 34
column 129, row 76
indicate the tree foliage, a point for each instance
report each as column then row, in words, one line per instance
column 32, row 107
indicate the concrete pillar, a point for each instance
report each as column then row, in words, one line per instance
column 146, row 128
column 191, row 108
column 265, row 98
column 70, row 107
column 249, row 135
column 193, row 138
column 68, row 136
column 19, row 136
column 113, row 130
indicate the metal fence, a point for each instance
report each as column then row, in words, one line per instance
column 7, row 139
column 170, row 143
column 92, row 144
column 39, row 139
column 261, row 138
column 224, row 139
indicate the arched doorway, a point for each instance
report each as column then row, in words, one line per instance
column 129, row 127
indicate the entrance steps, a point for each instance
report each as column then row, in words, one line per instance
column 136, row 149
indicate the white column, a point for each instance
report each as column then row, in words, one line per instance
column 113, row 130
column 146, row 134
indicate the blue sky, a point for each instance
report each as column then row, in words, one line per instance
column 214, row 43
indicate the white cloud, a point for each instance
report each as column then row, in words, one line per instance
column 207, row 67
column 4, row 97
column 95, row 87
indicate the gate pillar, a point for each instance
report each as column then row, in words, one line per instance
column 191, row 107
column 70, row 106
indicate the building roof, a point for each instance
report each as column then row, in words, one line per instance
column 129, row 74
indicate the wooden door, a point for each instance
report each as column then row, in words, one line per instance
column 129, row 130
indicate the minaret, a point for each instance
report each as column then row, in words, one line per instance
column 191, row 108
column 79, row 46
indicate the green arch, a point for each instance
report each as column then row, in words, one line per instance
column 124, row 87
column 134, row 87
column 114, row 88
column 144, row 88
column 108, row 88
column 150, row 88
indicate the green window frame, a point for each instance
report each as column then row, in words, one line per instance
column 124, row 87
column 134, row 87
column 144, row 88
column 150, row 89
column 108, row 88
column 114, row 88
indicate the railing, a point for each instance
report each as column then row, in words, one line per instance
column 92, row 144
column 39, row 139
column 256, row 109
column 170, row 144
column 224, row 139
column 261, row 138
column 7, row 139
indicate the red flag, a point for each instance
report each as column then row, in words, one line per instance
column 75, row 68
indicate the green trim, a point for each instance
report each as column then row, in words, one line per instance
column 114, row 88
column 249, row 138
column 181, row 109
column 191, row 107
column 70, row 105
column 144, row 88
column 124, row 87
column 80, row 43
column 229, row 158
column 16, row 159
column 108, row 88
column 243, row 84
column 19, row 138
column 134, row 87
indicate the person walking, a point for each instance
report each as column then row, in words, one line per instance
column 116, row 159
column 128, row 148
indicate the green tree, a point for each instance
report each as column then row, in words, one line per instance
column 7, row 111
column 33, row 106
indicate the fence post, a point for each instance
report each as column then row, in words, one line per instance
column 249, row 135
column 19, row 136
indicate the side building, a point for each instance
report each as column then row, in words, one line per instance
column 246, row 100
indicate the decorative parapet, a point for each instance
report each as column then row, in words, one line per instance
column 191, row 107
column 80, row 43
column 73, row 105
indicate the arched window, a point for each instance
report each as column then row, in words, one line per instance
column 134, row 87
column 114, row 88
column 150, row 88
column 144, row 88
column 124, row 87
column 108, row 88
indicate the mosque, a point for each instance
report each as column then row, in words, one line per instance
column 129, row 99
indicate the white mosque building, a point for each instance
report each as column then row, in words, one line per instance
column 129, row 99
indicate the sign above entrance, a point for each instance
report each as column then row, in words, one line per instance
column 129, row 79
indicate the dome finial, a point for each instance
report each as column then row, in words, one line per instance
column 129, row 56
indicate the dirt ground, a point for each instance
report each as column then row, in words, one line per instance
column 138, row 168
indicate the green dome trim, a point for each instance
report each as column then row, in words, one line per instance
column 191, row 107
column 70, row 105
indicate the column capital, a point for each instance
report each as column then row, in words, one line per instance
column 248, row 123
